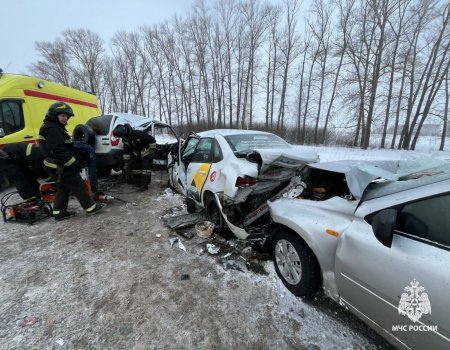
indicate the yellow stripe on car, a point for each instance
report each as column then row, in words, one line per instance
column 201, row 175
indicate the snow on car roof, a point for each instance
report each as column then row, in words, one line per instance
column 226, row 132
column 136, row 120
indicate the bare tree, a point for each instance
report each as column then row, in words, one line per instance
column 86, row 48
column 437, row 71
column 321, row 31
column 446, row 111
column 299, row 124
column 344, row 16
column 397, row 30
column 381, row 10
column 55, row 64
column 424, row 14
column 288, row 45
column 256, row 17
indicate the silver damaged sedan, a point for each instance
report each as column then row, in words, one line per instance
column 376, row 237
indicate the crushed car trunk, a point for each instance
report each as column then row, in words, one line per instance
column 248, row 209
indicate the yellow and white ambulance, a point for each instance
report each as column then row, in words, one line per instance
column 24, row 102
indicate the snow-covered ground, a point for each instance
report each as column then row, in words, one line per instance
column 327, row 154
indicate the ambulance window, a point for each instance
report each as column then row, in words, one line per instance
column 11, row 116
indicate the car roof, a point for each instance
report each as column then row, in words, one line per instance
column 135, row 119
column 228, row 132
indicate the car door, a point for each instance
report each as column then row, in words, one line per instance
column 165, row 138
column 379, row 282
column 178, row 170
column 198, row 169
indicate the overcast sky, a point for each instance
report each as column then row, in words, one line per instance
column 23, row 22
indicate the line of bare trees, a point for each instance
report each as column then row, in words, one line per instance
column 339, row 69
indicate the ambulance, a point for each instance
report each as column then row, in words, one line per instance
column 24, row 102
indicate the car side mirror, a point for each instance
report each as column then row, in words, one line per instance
column 2, row 132
column 383, row 224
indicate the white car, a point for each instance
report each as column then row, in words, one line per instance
column 98, row 132
column 377, row 240
column 232, row 174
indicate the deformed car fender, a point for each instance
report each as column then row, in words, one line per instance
column 237, row 231
column 320, row 224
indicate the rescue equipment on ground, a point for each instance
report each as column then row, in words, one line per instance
column 28, row 211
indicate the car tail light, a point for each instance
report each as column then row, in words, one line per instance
column 114, row 140
column 244, row 181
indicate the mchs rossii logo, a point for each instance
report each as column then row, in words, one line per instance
column 414, row 303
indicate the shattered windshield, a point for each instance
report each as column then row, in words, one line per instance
column 242, row 144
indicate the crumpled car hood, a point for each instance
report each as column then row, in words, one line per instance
column 291, row 158
column 359, row 174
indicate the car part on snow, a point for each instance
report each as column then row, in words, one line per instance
column 174, row 240
column 185, row 220
column 238, row 265
column 185, row 234
column 204, row 229
column 212, row 249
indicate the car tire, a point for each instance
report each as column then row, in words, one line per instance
column 295, row 263
column 190, row 206
column 104, row 172
column 214, row 215
column 84, row 133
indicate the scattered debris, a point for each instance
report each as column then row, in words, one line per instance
column 174, row 240
column 235, row 265
column 185, row 234
column 158, row 235
column 185, row 277
column 212, row 249
column 204, row 229
column 28, row 321
column 181, row 245
column 168, row 191
column 201, row 251
column 247, row 251
column 174, row 210
column 60, row 342
column 185, row 220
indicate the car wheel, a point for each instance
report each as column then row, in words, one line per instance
column 84, row 133
column 103, row 172
column 190, row 206
column 295, row 263
column 214, row 215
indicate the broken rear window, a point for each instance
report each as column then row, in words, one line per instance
column 242, row 144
